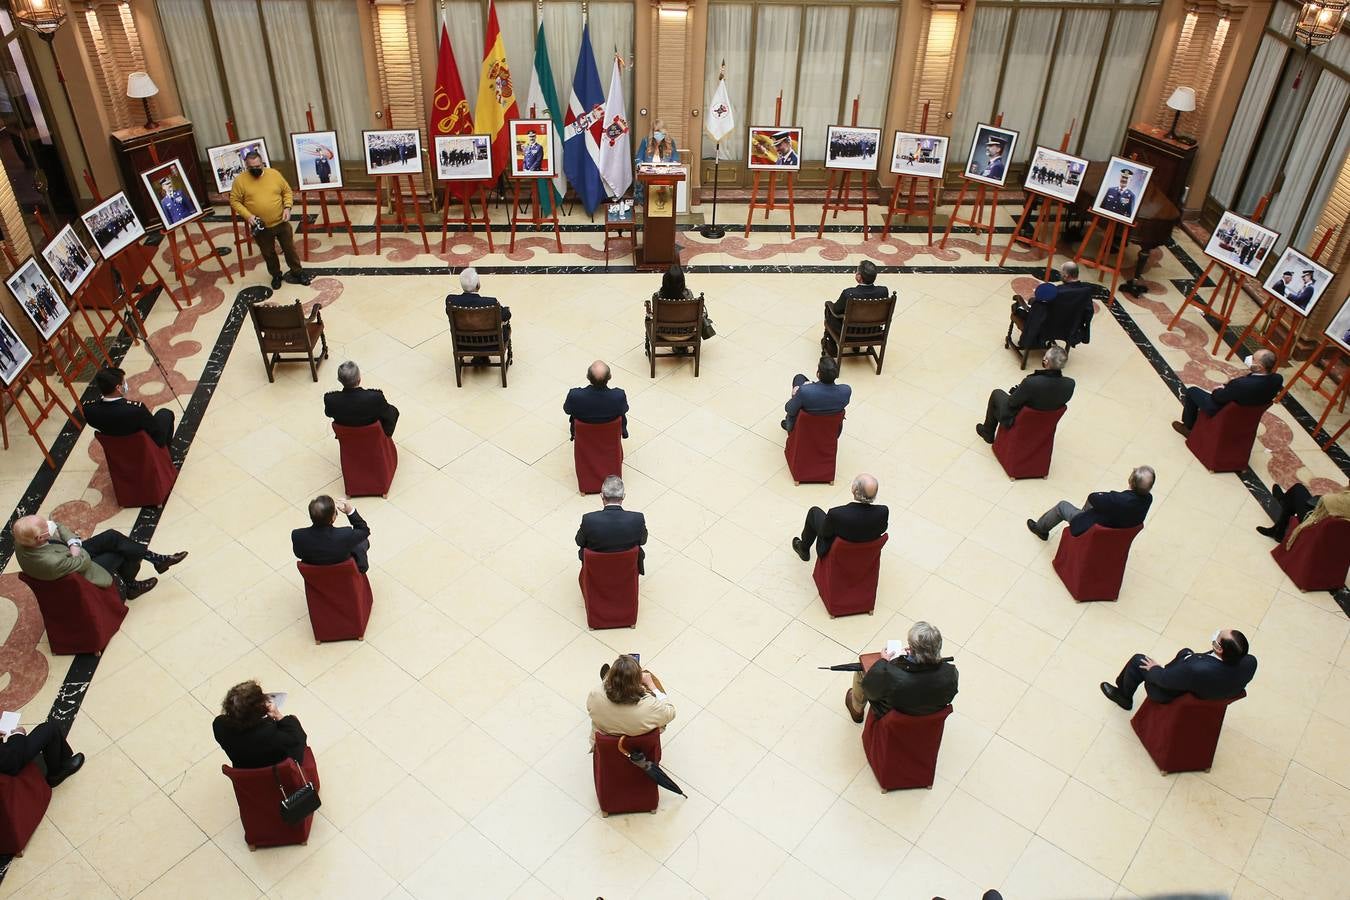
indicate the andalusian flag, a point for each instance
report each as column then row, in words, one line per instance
column 496, row 94
column 449, row 105
column 542, row 101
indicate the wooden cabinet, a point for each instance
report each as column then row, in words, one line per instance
column 171, row 139
column 1171, row 160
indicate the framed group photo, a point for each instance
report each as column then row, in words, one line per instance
column 1240, row 243
column 989, row 154
column 775, row 149
column 37, row 298
column 396, row 151
column 464, row 157
column 532, row 148
column 1298, row 281
column 849, row 147
column 14, row 353
column 316, row 160
column 227, row 161
column 1122, row 188
column 113, row 225
column 919, row 155
column 168, row 187
column 68, row 258
column 1055, row 174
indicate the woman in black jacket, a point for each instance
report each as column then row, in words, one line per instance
column 253, row 732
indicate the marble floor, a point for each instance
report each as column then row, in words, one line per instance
column 452, row 741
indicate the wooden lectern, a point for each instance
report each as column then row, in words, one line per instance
column 658, row 219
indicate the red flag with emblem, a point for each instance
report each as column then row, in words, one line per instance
column 449, row 105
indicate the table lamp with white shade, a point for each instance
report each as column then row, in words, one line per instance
column 1182, row 100
column 141, row 87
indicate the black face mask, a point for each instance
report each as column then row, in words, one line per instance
column 256, row 173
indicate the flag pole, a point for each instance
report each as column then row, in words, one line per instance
column 712, row 231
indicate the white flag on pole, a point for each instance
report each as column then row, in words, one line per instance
column 616, row 155
column 721, row 118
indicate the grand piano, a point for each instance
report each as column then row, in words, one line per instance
column 1158, row 215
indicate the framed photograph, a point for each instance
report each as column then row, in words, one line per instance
column 1298, row 281
column 113, row 225
column 397, row 151
column 1055, row 174
column 464, row 157
column 169, row 188
column 989, row 154
column 847, row 147
column 532, row 148
column 1240, row 243
column 922, row 155
column 68, row 258
column 1121, row 190
column 1339, row 328
column 316, row 160
column 775, row 149
column 37, row 298
column 14, row 353
column 227, row 161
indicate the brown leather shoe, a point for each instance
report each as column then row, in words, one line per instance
column 855, row 714
column 1181, row 429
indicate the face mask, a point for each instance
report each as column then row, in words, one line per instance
column 1215, row 638
column 659, row 135
column 256, row 173
column 1247, row 362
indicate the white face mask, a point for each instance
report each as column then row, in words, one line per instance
column 1215, row 638
column 1247, row 362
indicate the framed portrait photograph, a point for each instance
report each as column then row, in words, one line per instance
column 1121, row 190
column 68, row 258
column 14, row 353
column 464, row 157
column 1055, row 174
column 1298, row 281
column 532, row 148
column 227, row 161
column 113, row 225
column 316, row 160
column 848, row 147
column 920, row 155
column 1339, row 327
column 397, row 151
column 168, row 187
column 1240, row 243
column 989, row 154
column 37, row 298
column 775, row 149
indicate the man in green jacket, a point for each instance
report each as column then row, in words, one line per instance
column 47, row 551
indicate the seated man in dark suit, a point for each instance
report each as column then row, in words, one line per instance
column 597, row 402
column 469, row 284
column 355, row 406
column 918, row 682
column 1046, row 389
column 1110, row 509
column 822, row 397
column 1257, row 388
column 865, row 289
column 46, row 740
column 613, row 528
column 1069, row 294
column 858, row 522
column 323, row 544
column 47, row 550
column 114, row 414
column 1224, row 671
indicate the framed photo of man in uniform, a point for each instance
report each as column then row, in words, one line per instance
column 169, row 189
column 113, row 225
column 854, row 149
column 1298, row 281
column 227, row 161
column 464, row 157
column 395, row 151
column 532, row 148
column 990, row 153
column 1339, row 327
column 1055, row 174
column 37, row 298
column 14, row 353
column 775, row 149
column 1121, row 190
column 69, row 259
column 1240, row 243
column 317, row 166
column 920, row 155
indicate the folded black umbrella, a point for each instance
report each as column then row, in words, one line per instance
column 652, row 770
column 844, row 667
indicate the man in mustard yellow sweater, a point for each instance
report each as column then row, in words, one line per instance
column 262, row 198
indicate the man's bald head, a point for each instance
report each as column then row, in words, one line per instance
column 865, row 488
column 30, row 531
column 1264, row 360
column 598, row 373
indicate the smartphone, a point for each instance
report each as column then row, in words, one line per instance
column 636, row 656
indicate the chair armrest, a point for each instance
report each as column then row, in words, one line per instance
column 314, row 315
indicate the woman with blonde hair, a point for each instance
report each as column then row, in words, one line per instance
column 629, row 701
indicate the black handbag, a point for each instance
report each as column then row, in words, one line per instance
column 298, row 805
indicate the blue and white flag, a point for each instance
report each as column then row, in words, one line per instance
column 584, row 124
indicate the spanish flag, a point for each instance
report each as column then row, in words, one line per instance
column 449, row 106
column 496, row 94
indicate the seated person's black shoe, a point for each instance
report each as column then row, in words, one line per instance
column 801, row 549
column 1112, row 693
column 170, row 561
column 1031, row 526
column 1269, row 531
column 986, row 436
column 136, row 588
column 72, row 766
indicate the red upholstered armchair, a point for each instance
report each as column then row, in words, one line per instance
column 1320, row 556
column 1024, row 449
column 369, row 459
column 1092, row 565
column 23, row 803
column 609, row 588
column 260, row 801
column 620, row 786
column 811, row 447
column 1223, row 441
column 903, row 750
column 79, row 617
column 339, row 600
column 597, row 451
column 1182, row 736
column 142, row 471
column 846, row 577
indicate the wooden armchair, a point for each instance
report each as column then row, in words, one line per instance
column 478, row 331
column 864, row 330
column 674, row 324
column 285, row 330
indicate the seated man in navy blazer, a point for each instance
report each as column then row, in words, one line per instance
column 858, row 522
column 1224, row 671
column 323, row 544
column 612, row 529
column 469, row 284
column 1257, row 388
column 865, row 289
column 1110, row 509
column 821, row 397
column 597, row 402
column 1046, row 389
column 114, row 414
column 355, row 406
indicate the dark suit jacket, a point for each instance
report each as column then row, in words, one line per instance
column 817, row 398
column 122, row 417
column 594, row 405
column 1044, row 389
column 265, row 744
column 1112, row 509
column 1248, row 390
column 856, row 522
column 1066, row 318
column 1202, row 674
column 857, row 292
column 474, row 300
column 612, row 529
column 909, row 688
column 360, row 406
column 327, row 545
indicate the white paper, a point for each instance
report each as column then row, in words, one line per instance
column 8, row 721
column 894, row 649
column 278, row 698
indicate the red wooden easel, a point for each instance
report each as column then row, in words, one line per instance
column 130, row 266
column 189, row 257
column 41, row 408
column 463, row 193
column 1049, row 206
column 344, row 224
column 911, row 207
column 1274, row 311
column 75, row 301
column 838, row 194
column 243, row 235
column 771, row 200
column 1103, row 261
column 976, row 218
column 64, row 350
column 535, row 218
column 396, row 196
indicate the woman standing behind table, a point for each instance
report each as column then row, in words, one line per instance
column 628, row 702
column 659, row 147
column 253, row 732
